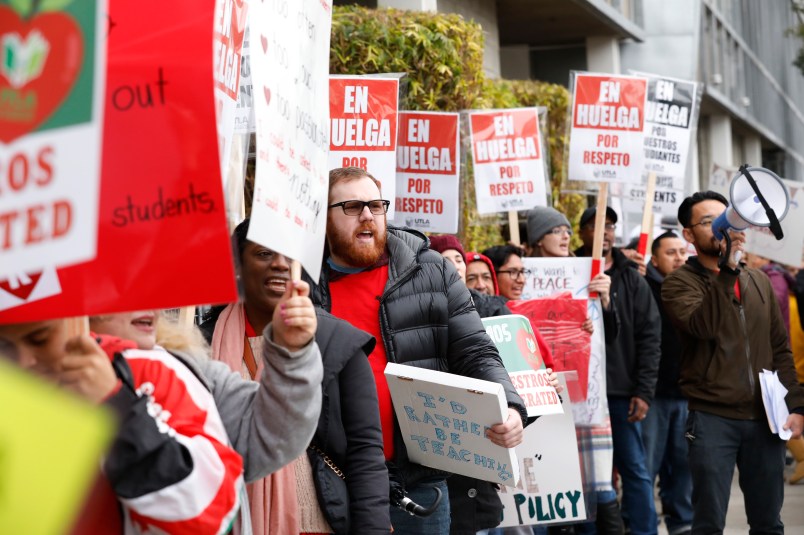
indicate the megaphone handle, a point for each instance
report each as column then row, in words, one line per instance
column 723, row 262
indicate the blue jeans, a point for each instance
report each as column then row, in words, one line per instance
column 435, row 524
column 630, row 461
column 716, row 445
column 666, row 454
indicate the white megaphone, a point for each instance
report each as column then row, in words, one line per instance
column 759, row 198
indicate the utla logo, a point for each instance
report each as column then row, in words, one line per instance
column 23, row 288
column 42, row 54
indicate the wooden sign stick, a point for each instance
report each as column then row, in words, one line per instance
column 513, row 227
column 600, row 228
column 295, row 273
column 77, row 326
column 187, row 317
column 647, row 216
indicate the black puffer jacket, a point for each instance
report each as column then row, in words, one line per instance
column 489, row 306
column 632, row 359
column 428, row 320
column 349, row 425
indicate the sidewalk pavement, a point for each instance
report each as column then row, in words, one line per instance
column 736, row 524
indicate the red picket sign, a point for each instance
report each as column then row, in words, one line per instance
column 162, row 236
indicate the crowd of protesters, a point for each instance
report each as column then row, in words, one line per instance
column 274, row 417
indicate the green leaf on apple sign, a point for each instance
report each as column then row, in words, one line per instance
column 54, row 5
column 22, row 7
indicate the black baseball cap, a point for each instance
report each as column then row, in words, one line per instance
column 589, row 214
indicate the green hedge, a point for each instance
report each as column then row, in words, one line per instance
column 442, row 55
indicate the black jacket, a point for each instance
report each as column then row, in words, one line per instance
column 349, row 425
column 670, row 363
column 428, row 320
column 489, row 306
column 632, row 359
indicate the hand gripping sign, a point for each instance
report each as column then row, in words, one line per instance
column 427, row 171
column 363, row 126
column 607, row 137
column 507, row 156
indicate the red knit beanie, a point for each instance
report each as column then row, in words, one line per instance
column 477, row 257
column 445, row 242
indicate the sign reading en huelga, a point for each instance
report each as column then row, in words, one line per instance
column 507, row 160
column 427, row 157
column 363, row 112
column 607, row 128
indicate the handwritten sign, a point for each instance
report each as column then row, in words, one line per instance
column 666, row 198
column 27, row 436
column 789, row 249
column 363, row 128
column 290, row 66
column 161, row 199
column 444, row 418
column 550, row 489
column 607, row 137
column 550, row 276
column 52, row 81
column 244, row 112
column 508, row 164
column 517, row 345
column 427, row 171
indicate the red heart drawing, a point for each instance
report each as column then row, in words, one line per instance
column 267, row 95
column 264, row 42
column 26, row 107
column 22, row 291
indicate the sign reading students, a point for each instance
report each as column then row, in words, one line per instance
column 363, row 123
column 51, row 101
column 162, row 236
column 427, row 171
column 606, row 138
column 508, row 166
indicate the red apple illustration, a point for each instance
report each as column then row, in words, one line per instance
column 31, row 95
column 529, row 348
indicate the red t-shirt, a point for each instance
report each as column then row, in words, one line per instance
column 356, row 299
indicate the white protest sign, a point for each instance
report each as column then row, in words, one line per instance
column 671, row 117
column 508, row 162
column 788, row 250
column 607, row 128
column 427, row 171
column 52, row 81
column 363, row 128
column 290, row 70
column 550, row 276
column 550, row 489
column 720, row 178
column 666, row 199
column 228, row 33
column 443, row 419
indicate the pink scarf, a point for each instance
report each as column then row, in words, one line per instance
column 277, row 492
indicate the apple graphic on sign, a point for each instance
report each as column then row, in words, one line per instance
column 41, row 55
column 529, row 347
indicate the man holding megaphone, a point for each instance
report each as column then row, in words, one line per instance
column 731, row 329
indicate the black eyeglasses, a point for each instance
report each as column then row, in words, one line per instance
column 704, row 223
column 515, row 273
column 376, row 207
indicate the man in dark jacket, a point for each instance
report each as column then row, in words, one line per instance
column 730, row 328
column 663, row 427
column 387, row 282
column 632, row 364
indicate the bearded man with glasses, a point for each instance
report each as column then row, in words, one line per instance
column 387, row 282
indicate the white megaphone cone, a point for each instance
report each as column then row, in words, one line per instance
column 757, row 197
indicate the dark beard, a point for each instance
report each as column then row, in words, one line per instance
column 355, row 256
column 711, row 248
